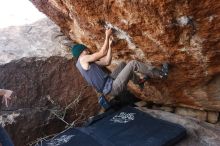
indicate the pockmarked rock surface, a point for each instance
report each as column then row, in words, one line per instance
column 50, row 94
column 39, row 39
column 199, row 133
column 183, row 33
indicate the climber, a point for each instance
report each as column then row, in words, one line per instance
column 4, row 138
column 89, row 66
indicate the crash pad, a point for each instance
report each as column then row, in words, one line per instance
column 126, row 127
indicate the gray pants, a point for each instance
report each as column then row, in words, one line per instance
column 123, row 73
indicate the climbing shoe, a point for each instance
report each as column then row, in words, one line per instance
column 164, row 70
column 103, row 102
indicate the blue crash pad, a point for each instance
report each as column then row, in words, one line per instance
column 126, row 127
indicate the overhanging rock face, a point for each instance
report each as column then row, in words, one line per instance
column 184, row 33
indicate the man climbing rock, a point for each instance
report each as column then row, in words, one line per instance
column 89, row 66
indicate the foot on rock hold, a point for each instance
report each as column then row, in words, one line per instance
column 164, row 70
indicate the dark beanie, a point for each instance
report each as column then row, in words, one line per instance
column 77, row 49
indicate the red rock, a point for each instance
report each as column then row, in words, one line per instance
column 184, row 33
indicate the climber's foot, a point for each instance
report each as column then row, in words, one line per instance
column 164, row 71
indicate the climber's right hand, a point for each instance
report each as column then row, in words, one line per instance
column 108, row 32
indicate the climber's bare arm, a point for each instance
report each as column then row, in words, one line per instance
column 106, row 60
column 6, row 96
column 87, row 58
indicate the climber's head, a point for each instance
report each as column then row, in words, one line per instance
column 78, row 49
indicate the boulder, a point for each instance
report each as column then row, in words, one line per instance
column 183, row 33
column 39, row 39
column 201, row 115
column 50, row 95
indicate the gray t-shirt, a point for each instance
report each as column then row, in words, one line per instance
column 96, row 77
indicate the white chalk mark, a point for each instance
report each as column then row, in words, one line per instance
column 125, row 36
column 61, row 140
column 123, row 118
